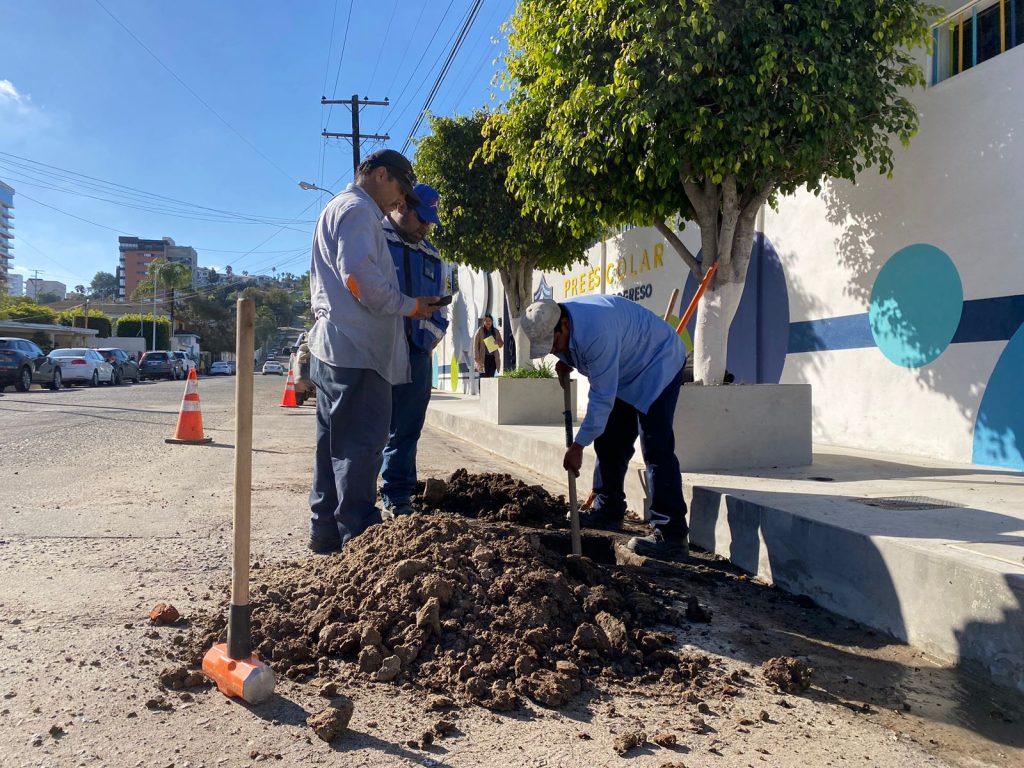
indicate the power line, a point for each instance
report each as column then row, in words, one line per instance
column 473, row 12
column 341, row 57
column 405, row 51
column 380, row 48
column 199, row 98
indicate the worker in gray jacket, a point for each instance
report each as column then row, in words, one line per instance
column 358, row 346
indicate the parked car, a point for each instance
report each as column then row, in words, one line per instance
column 83, row 365
column 272, row 366
column 125, row 366
column 160, row 364
column 187, row 363
column 23, row 363
column 232, row 368
column 220, row 368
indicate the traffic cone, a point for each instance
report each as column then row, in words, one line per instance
column 190, row 418
column 288, row 400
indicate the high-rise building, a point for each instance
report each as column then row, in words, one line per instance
column 6, row 216
column 135, row 256
column 15, row 284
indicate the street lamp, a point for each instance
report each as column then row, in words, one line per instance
column 307, row 186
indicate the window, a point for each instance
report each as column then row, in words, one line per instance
column 979, row 31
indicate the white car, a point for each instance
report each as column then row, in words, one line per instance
column 187, row 363
column 84, row 365
column 220, row 368
column 272, row 366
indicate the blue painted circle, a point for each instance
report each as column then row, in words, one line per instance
column 916, row 304
column 999, row 428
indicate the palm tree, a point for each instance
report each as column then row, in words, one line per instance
column 168, row 275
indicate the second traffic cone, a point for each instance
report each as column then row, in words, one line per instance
column 190, row 418
column 288, row 399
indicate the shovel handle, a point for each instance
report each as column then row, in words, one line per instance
column 696, row 298
column 574, row 509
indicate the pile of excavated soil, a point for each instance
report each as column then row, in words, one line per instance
column 477, row 611
column 499, row 497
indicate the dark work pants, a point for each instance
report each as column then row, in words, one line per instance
column 353, row 412
column 408, row 412
column 490, row 366
column 614, row 449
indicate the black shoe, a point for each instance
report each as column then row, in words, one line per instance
column 660, row 545
column 322, row 546
column 601, row 517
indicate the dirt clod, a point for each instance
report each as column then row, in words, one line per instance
column 180, row 677
column 331, row 723
column 697, row 613
column 787, row 674
column 628, row 741
column 434, row 490
column 665, row 739
column 164, row 613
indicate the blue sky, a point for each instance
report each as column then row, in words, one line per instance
column 79, row 94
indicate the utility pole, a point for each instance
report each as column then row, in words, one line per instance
column 35, row 282
column 354, row 104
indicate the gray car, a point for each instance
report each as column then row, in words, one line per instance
column 125, row 367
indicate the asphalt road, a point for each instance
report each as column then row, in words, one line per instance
column 100, row 519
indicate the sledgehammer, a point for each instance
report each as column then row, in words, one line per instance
column 233, row 666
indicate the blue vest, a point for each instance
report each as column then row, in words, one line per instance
column 420, row 273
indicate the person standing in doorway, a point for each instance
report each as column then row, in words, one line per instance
column 357, row 345
column 420, row 272
column 486, row 344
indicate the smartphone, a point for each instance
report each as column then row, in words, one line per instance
column 443, row 301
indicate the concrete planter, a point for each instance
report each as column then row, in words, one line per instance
column 743, row 426
column 532, row 402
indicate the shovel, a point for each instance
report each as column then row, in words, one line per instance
column 574, row 512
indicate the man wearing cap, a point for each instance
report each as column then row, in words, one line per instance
column 357, row 345
column 633, row 361
column 420, row 273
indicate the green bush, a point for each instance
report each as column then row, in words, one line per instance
column 130, row 325
column 542, row 371
column 29, row 312
column 97, row 321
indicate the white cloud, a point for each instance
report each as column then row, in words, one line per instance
column 9, row 92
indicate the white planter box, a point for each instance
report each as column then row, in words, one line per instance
column 533, row 402
column 743, row 426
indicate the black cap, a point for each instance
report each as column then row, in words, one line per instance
column 400, row 168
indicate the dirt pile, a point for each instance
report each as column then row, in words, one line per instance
column 473, row 610
column 496, row 497
column 787, row 674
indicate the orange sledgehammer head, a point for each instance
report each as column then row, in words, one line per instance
column 248, row 679
column 233, row 666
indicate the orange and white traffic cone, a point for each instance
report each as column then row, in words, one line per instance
column 190, row 417
column 288, row 400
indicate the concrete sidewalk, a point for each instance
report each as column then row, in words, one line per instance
column 927, row 551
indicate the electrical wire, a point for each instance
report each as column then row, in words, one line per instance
column 198, row 98
column 474, row 11
column 380, row 48
column 341, row 58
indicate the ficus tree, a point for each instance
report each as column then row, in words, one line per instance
column 645, row 113
column 484, row 225
column 167, row 276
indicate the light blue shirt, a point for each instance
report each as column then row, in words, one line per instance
column 626, row 352
column 363, row 332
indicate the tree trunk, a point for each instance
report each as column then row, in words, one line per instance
column 517, row 281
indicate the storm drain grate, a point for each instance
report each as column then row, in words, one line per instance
column 907, row 503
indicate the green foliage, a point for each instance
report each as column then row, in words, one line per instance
column 97, row 320
column 614, row 106
column 540, row 371
column 23, row 310
column 142, row 325
column 485, row 227
column 103, row 286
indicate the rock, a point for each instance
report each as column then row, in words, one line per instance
column 438, row 587
column 406, row 569
column 427, row 739
column 370, row 660
column 56, row 731
column 696, row 613
column 590, row 637
column 178, row 678
column 331, row 636
column 665, row 739
column 787, row 674
column 330, row 723
column 370, row 638
column 551, row 689
column 329, row 690
column 615, row 630
column 434, row 490
column 164, row 613
column 439, row 703
column 443, row 727
column 389, row 670
column 628, row 741
column 429, row 616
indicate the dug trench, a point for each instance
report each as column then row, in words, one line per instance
column 475, row 601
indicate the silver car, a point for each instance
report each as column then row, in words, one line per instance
column 83, row 365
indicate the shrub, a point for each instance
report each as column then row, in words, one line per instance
column 541, row 371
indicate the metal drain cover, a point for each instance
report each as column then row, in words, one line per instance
column 907, row 503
